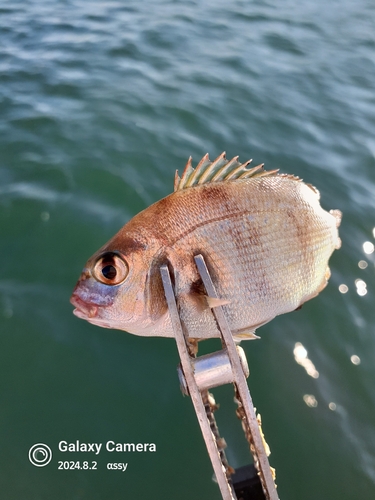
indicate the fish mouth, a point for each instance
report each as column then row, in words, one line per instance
column 82, row 309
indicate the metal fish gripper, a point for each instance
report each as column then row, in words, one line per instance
column 199, row 374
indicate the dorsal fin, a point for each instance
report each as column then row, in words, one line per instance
column 217, row 171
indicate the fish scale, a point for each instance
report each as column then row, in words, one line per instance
column 265, row 238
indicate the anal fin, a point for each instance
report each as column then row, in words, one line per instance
column 245, row 335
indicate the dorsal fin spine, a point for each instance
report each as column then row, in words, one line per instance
column 176, row 181
column 198, row 169
column 220, row 170
column 234, row 174
column 187, row 171
column 211, row 169
column 251, row 172
column 267, row 173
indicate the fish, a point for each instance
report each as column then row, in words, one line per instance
column 264, row 236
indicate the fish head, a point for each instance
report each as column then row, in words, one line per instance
column 113, row 289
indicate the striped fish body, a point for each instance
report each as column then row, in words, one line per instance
column 266, row 241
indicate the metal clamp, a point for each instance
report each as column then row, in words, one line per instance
column 213, row 370
column 223, row 367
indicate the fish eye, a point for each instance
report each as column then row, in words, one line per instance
column 110, row 269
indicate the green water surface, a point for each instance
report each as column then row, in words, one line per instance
column 100, row 102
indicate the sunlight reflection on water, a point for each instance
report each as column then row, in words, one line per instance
column 300, row 355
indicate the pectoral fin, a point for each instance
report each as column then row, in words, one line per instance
column 202, row 302
column 216, row 301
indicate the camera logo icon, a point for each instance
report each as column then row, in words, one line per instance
column 40, row 455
